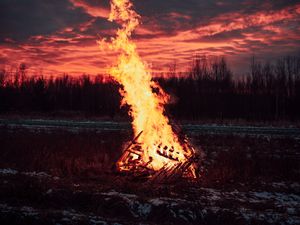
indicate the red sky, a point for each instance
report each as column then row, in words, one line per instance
column 59, row 36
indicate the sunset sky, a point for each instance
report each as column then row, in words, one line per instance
column 59, row 36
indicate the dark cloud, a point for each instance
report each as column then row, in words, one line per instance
column 21, row 19
column 223, row 36
column 198, row 12
column 98, row 3
column 102, row 27
column 158, row 14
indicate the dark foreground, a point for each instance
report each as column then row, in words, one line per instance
column 64, row 176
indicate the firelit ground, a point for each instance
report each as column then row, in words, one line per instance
column 65, row 176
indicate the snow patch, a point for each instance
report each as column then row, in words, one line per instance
column 37, row 174
column 8, row 171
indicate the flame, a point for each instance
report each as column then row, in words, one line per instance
column 144, row 96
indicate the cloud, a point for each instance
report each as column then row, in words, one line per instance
column 22, row 19
column 60, row 36
column 96, row 10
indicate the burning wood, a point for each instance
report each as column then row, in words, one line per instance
column 131, row 160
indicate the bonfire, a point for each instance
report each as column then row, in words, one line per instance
column 156, row 149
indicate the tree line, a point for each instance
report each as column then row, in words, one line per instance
column 269, row 91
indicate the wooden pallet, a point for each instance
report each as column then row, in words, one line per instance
column 131, row 162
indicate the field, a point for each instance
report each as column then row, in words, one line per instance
column 59, row 172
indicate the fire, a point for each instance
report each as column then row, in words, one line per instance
column 159, row 146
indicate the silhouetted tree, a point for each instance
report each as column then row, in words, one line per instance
column 208, row 91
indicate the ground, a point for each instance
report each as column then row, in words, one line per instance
column 55, row 172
